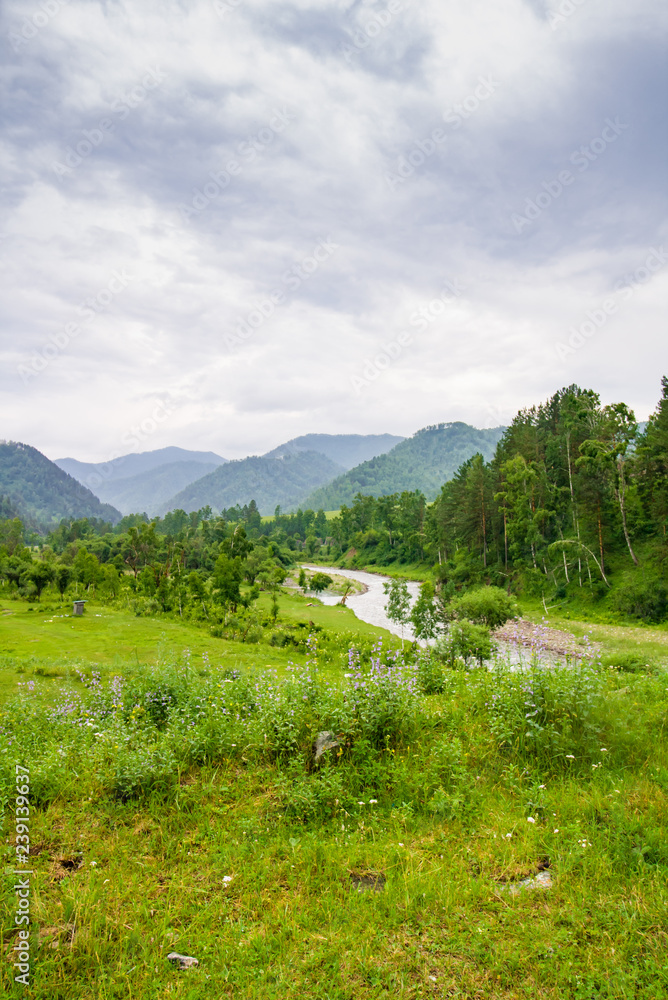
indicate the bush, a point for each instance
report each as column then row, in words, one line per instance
column 490, row 606
column 430, row 674
column 142, row 770
column 464, row 641
column 646, row 601
column 548, row 715
column 309, row 797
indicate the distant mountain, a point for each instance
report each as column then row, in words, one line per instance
column 147, row 492
column 423, row 462
column 268, row 481
column 39, row 491
column 92, row 474
column 347, row 450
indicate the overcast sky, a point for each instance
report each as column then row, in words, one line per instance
column 225, row 224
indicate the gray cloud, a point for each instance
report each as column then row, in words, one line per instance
column 234, row 144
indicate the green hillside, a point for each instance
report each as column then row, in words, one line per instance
column 43, row 493
column 347, row 450
column 268, row 481
column 422, row 462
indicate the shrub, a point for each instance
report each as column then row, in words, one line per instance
column 490, row 606
column 430, row 674
column 464, row 641
column 142, row 770
column 309, row 797
column 647, row 601
column 385, row 701
column 548, row 715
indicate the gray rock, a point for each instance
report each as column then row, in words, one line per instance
column 368, row 882
column 542, row 880
column 182, row 961
column 324, row 741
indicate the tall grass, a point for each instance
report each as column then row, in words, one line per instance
column 203, row 823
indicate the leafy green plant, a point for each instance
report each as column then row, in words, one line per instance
column 464, row 641
column 490, row 606
column 644, row 600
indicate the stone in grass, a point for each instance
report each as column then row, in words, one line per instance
column 182, row 961
column 368, row 881
column 324, row 741
column 541, row 880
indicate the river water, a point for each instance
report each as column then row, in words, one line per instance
column 369, row 606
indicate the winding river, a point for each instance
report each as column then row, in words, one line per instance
column 370, row 606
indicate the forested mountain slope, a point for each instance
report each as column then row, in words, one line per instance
column 150, row 490
column 422, row 462
column 347, row 450
column 42, row 492
column 271, row 482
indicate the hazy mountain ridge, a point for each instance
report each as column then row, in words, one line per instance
column 150, row 490
column 269, row 481
column 40, row 491
column 133, row 464
column 347, row 450
column 422, row 462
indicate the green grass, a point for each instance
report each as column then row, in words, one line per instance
column 650, row 642
column 47, row 642
column 290, row 924
column 119, row 884
column 403, row 571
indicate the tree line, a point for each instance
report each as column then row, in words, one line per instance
column 573, row 504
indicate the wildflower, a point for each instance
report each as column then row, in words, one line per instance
column 569, row 756
column 373, row 802
column 507, row 836
column 556, row 830
column 603, row 750
column 360, row 803
column 542, row 786
column 227, row 879
column 530, row 819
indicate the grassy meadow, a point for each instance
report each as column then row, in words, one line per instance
column 468, row 833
